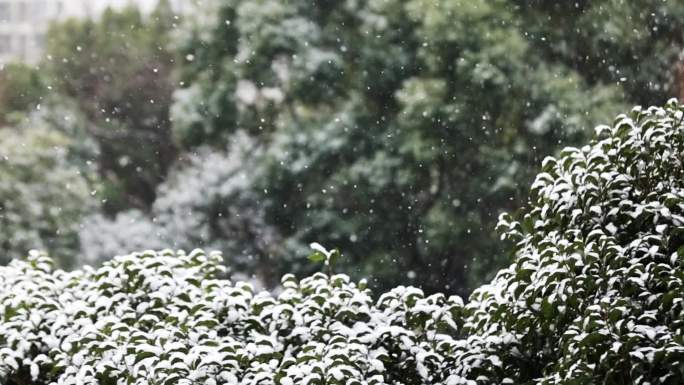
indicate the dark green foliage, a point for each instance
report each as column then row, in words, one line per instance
column 637, row 44
column 395, row 130
column 118, row 71
column 21, row 90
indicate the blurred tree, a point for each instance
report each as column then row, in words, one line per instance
column 118, row 71
column 395, row 130
column 638, row 44
column 21, row 90
column 208, row 201
column 42, row 196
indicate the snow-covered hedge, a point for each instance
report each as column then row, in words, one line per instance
column 163, row 318
column 595, row 295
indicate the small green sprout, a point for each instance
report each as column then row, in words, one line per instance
column 321, row 254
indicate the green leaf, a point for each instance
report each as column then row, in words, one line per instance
column 142, row 355
column 317, row 257
column 334, row 256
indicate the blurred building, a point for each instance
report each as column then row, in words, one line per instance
column 23, row 23
column 22, row 27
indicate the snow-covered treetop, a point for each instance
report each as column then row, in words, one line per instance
column 594, row 295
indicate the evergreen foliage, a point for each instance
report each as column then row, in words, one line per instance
column 594, row 295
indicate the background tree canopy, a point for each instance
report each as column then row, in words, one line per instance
column 396, row 131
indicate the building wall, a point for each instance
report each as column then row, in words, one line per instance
column 23, row 24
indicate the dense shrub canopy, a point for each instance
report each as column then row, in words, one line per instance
column 163, row 318
column 594, row 295
column 595, row 292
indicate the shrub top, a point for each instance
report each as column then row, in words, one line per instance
column 595, row 292
column 164, row 318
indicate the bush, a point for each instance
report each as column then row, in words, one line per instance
column 162, row 318
column 595, row 292
column 594, row 296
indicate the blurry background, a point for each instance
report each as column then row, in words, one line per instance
column 394, row 130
